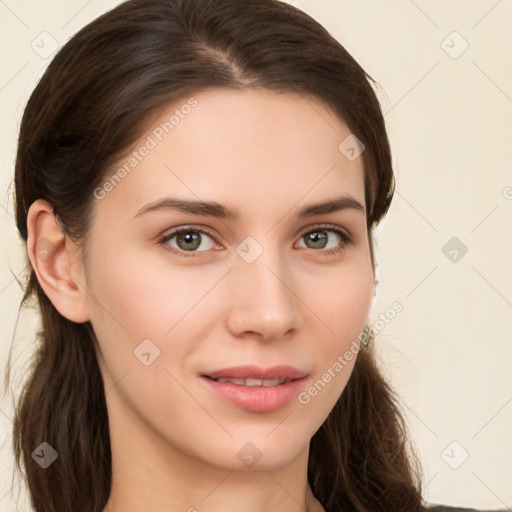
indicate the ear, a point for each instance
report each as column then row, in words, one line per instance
column 56, row 262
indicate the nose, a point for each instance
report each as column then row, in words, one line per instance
column 263, row 302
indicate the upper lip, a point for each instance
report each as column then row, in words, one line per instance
column 256, row 372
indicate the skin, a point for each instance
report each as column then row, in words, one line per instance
column 174, row 442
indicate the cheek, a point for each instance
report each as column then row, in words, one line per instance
column 341, row 299
column 342, row 306
column 145, row 317
column 147, row 300
column 138, row 309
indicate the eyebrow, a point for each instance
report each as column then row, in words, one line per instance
column 214, row 209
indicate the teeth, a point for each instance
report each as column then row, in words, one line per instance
column 250, row 382
column 253, row 382
column 273, row 382
column 240, row 382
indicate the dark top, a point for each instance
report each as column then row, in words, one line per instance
column 441, row 508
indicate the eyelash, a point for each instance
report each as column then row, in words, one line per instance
column 346, row 239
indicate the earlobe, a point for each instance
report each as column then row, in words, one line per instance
column 55, row 261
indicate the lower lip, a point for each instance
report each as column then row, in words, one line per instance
column 257, row 398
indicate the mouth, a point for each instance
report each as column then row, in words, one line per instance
column 252, row 381
column 256, row 389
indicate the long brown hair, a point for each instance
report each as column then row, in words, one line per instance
column 88, row 108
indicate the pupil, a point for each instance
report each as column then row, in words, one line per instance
column 195, row 238
column 319, row 239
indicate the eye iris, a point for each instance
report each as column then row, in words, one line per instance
column 189, row 237
column 319, row 239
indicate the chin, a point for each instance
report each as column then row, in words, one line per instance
column 262, row 452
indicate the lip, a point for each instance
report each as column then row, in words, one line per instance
column 242, row 372
column 256, row 398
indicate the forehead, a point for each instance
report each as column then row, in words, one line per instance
column 249, row 149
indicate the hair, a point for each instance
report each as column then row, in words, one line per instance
column 90, row 106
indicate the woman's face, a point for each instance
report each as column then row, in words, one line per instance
column 268, row 286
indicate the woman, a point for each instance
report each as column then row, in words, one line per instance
column 197, row 183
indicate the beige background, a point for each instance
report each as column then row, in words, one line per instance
column 449, row 113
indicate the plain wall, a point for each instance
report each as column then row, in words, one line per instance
column 449, row 113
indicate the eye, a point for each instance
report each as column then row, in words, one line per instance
column 188, row 240
column 329, row 239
